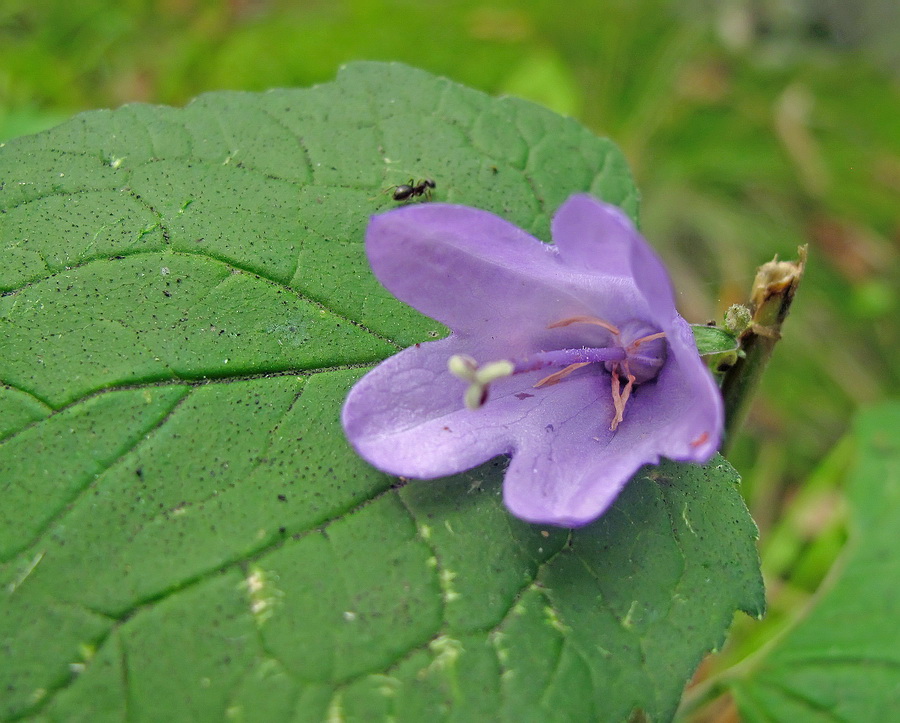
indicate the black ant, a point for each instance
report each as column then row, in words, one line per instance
column 412, row 189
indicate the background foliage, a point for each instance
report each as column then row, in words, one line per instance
column 751, row 127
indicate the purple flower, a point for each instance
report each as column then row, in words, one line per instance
column 570, row 357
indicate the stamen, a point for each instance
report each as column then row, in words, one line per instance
column 583, row 320
column 557, row 377
column 617, row 400
column 650, row 337
column 627, row 393
column 620, row 399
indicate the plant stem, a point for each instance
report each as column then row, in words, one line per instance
column 773, row 291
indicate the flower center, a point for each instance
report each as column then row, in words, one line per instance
column 635, row 356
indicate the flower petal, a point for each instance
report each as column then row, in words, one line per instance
column 484, row 277
column 570, row 475
column 597, row 236
column 691, row 399
column 406, row 416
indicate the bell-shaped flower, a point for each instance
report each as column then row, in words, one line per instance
column 569, row 357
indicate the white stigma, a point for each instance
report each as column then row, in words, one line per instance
column 479, row 377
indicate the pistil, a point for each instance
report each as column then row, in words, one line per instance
column 617, row 359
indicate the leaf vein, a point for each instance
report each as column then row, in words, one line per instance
column 91, row 480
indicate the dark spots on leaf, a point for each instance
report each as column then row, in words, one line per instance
column 549, row 428
column 523, row 395
column 282, row 498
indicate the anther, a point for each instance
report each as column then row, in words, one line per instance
column 620, row 398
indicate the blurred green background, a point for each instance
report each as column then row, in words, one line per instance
column 752, row 127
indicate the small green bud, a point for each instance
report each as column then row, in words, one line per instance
column 737, row 318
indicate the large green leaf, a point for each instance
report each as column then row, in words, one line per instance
column 841, row 662
column 184, row 532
